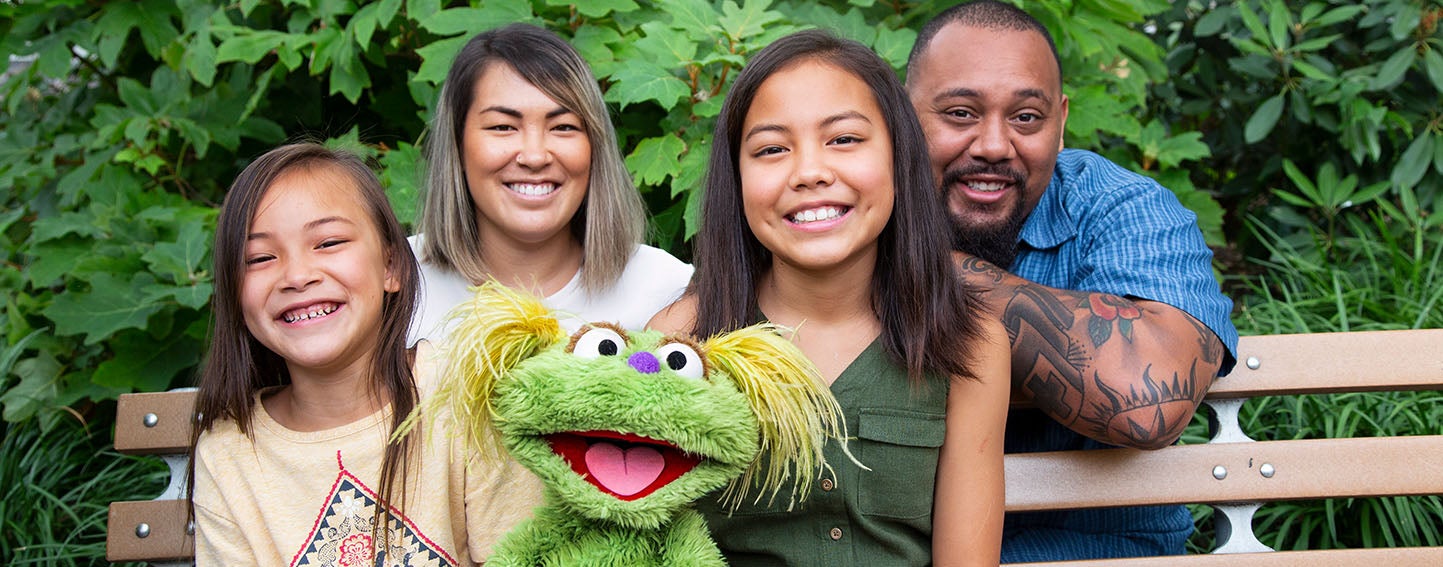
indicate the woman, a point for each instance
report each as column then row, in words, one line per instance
column 820, row 214
column 526, row 186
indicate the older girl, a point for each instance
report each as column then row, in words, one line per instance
column 526, row 186
column 820, row 214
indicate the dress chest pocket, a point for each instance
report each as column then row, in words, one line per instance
column 901, row 447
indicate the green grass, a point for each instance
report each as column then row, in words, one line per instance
column 55, row 487
column 1371, row 275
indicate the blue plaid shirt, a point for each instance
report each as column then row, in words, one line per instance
column 1102, row 228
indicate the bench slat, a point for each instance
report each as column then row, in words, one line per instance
column 1303, row 469
column 171, row 432
column 1322, row 363
column 167, row 520
column 1389, row 557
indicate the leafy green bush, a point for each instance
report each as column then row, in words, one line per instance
column 126, row 120
column 54, row 489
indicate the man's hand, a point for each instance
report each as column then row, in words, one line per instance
column 1122, row 371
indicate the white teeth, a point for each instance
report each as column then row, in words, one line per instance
column 532, row 189
column 313, row 313
column 817, row 214
column 986, row 187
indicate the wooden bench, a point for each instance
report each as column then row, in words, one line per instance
column 1232, row 472
column 157, row 531
column 1236, row 475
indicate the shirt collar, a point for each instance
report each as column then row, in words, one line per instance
column 1049, row 225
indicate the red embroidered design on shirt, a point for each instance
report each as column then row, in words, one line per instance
column 341, row 536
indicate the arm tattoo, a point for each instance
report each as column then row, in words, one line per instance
column 1137, row 416
column 1048, row 363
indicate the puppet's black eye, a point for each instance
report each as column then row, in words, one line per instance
column 598, row 341
column 682, row 359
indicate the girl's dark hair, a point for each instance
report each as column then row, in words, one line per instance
column 237, row 365
column 927, row 313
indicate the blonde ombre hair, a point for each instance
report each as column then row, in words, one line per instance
column 611, row 220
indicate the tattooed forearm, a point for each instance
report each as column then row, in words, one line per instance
column 1120, row 370
column 1047, row 363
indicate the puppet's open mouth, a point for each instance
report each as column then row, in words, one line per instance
column 623, row 465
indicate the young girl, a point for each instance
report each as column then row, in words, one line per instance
column 820, row 214
column 308, row 374
column 526, row 186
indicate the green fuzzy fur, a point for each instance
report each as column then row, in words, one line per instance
column 758, row 418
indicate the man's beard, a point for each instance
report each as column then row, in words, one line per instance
column 993, row 242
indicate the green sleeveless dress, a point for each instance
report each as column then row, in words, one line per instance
column 881, row 517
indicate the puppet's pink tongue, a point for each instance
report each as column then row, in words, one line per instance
column 623, row 471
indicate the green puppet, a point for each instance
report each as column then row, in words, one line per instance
column 626, row 429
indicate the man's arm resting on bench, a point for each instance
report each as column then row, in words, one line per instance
column 1126, row 372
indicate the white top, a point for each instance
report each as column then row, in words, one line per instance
column 652, row 280
column 293, row 498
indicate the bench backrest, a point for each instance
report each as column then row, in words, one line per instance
column 154, row 530
column 1232, row 472
column 1236, row 475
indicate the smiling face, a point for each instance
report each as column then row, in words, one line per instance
column 527, row 159
column 315, row 275
column 991, row 105
column 626, row 427
column 816, row 167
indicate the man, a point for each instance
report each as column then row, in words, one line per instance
column 1117, row 324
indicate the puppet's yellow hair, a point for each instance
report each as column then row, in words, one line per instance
column 795, row 410
column 494, row 331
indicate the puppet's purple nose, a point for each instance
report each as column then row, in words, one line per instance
column 644, row 362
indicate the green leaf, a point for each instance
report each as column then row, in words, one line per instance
column 401, row 173
column 643, row 82
column 50, row 228
column 594, row 43
column 742, row 22
column 56, row 258
column 363, row 25
column 1433, row 65
column 1186, row 146
column 1414, row 162
column 1311, row 72
column 199, row 59
column 1279, row 20
column 696, row 17
column 1263, row 119
column 1339, row 15
column 249, row 47
column 597, row 8
column 141, row 363
column 1392, row 70
column 181, row 259
column 111, row 304
column 35, row 391
column 894, row 45
column 1213, row 21
column 656, row 158
column 112, row 29
column 693, row 168
column 436, row 59
column 193, row 296
column 1318, row 43
column 1253, row 23
column 1301, row 181
column 471, row 21
column 665, row 46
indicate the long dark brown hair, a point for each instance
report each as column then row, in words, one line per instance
column 237, row 365
column 927, row 313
